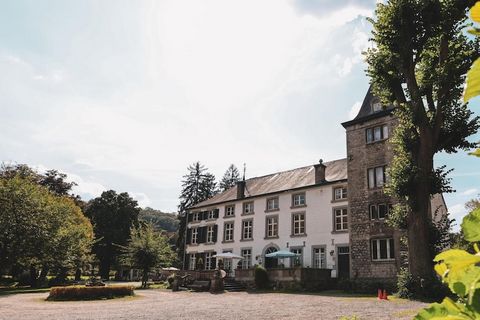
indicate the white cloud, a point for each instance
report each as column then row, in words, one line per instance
column 457, row 212
column 142, row 199
column 354, row 110
column 470, row 192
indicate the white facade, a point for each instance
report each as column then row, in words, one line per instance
column 320, row 239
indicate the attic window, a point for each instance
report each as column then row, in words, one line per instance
column 376, row 105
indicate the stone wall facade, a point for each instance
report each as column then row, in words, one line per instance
column 362, row 156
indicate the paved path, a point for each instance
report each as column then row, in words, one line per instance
column 162, row 304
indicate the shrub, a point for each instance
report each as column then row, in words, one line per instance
column 261, row 278
column 89, row 293
column 365, row 285
column 411, row 288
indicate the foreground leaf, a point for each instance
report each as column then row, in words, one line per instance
column 470, row 226
column 473, row 82
column 475, row 153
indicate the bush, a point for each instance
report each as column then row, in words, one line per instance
column 411, row 288
column 261, row 278
column 89, row 293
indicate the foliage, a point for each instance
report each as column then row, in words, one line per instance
column 460, row 270
column 160, row 220
column 261, row 278
column 197, row 185
column 418, row 64
column 147, row 249
column 89, row 293
column 405, row 284
column 39, row 228
column 112, row 216
column 230, row 178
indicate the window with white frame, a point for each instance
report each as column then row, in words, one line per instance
column 230, row 211
column 298, row 199
column 272, row 227
column 272, row 204
column 319, row 258
column 194, row 236
column 211, row 214
column 210, row 234
column 228, row 232
column 377, row 177
column 376, row 133
column 192, row 262
column 247, row 229
column 196, row 216
column 298, row 224
column 298, row 259
column 376, row 105
column 247, row 258
column 383, row 249
column 379, row 211
column 248, row 207
column 341, row 219
column 209, row 261
column 340, row 193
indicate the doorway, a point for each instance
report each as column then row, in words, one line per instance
column 343, row 262
column 271, row 262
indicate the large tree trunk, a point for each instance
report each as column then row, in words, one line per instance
column 419, row 217
column 33, row 276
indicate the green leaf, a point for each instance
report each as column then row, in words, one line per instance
column 471, row 226
column 447, row 310
column 474, row 31
column 472, row 88
column 475, row 153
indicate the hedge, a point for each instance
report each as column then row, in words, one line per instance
column 89, row 293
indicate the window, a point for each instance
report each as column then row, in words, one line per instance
column 298, row 200
column 194, row 236
column 379, row 211
column 272, row 227
column 376, row 133
column 210, row 214
column 209, row 261
column 247, row 258
column 376, row 106
column 196, row 216
column 272, row 204
column 340, row 193
column 210, row 234
column 229, row 211
column 247, row 229
column 228, row 232
column 192, row 262
column 341, row 219
column 297, row 260
column 298, row 224
column 377, row 177
column 319, row 258
column 248, row 207
column 383, row 249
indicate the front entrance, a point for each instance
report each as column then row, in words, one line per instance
column 271, row 262
column 343, row 262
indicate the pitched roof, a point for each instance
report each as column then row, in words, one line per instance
column 281, row 181
column 366, row 112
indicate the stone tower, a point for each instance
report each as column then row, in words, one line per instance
column 374, row 246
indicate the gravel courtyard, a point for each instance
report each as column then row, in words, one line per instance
column 162, row 304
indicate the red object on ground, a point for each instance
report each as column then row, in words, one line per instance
column 380, row 295
column 385, row 296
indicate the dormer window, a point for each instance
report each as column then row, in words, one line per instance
column 376, row 105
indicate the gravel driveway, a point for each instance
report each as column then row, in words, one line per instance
column 162, row 304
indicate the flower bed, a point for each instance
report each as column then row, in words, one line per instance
column 89, row 293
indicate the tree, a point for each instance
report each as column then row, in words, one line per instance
column 40, row 229
column 419, row 65
column 230, row 178
column 160, row 220
column 197, row 185
column 147, row 249
column 112, row 216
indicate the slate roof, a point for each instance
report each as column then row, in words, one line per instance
column 366, row 112
column 281, row 181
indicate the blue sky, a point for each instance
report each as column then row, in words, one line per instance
column 125, row 95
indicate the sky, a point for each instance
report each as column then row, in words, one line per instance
column 124, row 95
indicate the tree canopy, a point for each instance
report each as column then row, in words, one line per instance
column 230, row 178
column 112, row 216
column 418, row 64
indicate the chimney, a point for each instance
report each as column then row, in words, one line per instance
column 240, row 189
column 320, row 172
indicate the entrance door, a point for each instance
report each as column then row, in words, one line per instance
column 343, row 262
column 271, row 262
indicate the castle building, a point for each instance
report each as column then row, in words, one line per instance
column 331, row 215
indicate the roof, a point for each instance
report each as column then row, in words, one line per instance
column 366, row 112
column 282, row 181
